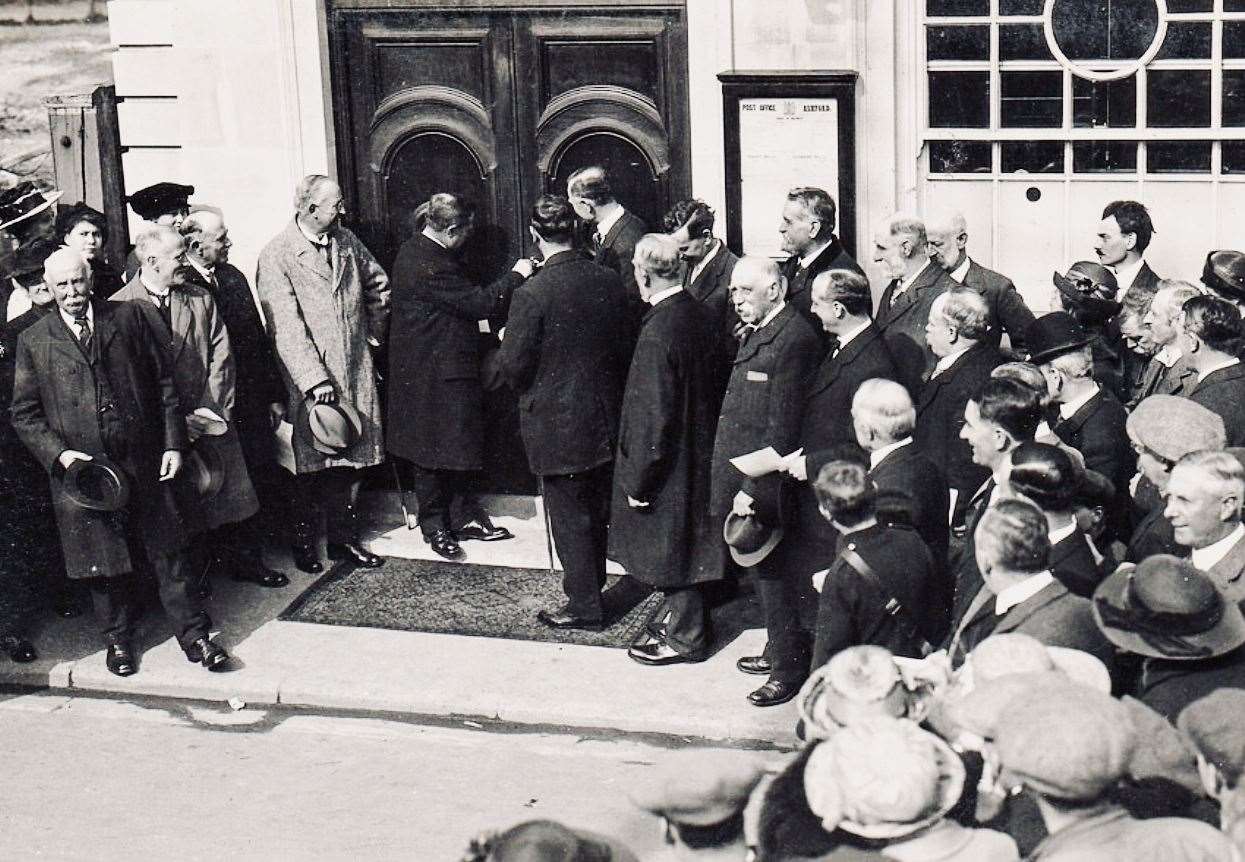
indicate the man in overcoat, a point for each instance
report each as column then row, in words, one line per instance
column 326, row 300
column 659, row 518
column 614, row 231
column 563, row 355
column 807, row 229
column 93, row 381
column 436, row 397
column 1211, row 340
column 763, row 407
column 194, row 336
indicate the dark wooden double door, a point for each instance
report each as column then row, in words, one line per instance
column 502, row 105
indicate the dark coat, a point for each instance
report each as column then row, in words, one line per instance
column 1072, row 562
column 1223, row 392
column 563, row 355
column 712, row 287
column 852, row 611
column 436, row 397
column 1008, row 311
column 1159, row 379
column 615, row 252
column 912, row 490
column 257, row 378
column 1153, row 535
column 56, row 406
column 965, row 577
column 22, row 481
column 800, row 281
column 903, row 323
column 763, row 406
column 665, row 447
column 825, row 427
column 1168, row 686
column 1096, row 430
column 940, row 416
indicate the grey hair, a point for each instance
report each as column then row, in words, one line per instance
column 658, row 254
column 885, row 407
column 307, row 188
column 967, row 311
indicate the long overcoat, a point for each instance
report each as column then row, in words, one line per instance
column 436, row 398
column 665, row 446
column 203, row 375
column 57, row 406
column 321, row 317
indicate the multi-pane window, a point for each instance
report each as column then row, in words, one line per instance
column 1084, row 86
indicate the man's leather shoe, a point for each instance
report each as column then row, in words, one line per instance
column 19, row 649
column 255, row 572
column 120, row 660
column 444, row 544
column 658, row 654
column 773, row 693
column 562, row 619
column 208, row 653
column 757, row 664
column 356, row 553
column 306, row 559
column 482, row 533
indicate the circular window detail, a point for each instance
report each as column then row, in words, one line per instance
column 1104, row 40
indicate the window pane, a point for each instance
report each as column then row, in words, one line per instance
column 957, row 43
column 1234, row 39
column 1020, row 7
column 1233, row 157
column 1104, row 157
column 1104, row 29
column 957, row 7
column 1023, row 42
column 1178, row 99
column 1031, row 99
column 1034, row 157
column 959, row 157
column 1186, row 40
column 1107, row 104
column 1234, row 97
column 1170, row 157
column 959, row 100
column 1234, row 5
column 1190, row 5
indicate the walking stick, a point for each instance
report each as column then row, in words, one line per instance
column 397, row 481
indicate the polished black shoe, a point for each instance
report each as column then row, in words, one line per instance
column 19, row 649
column 306, row 559
column 658, row 654
column 120, row 660
column 562, row 619
column 444, row 544
column 773, row 693
column 482, row 532
column 208, row 653
column 255, row 572
column 356, row 553
column 757, row 664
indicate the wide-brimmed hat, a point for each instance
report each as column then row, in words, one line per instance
column 858, row 684
column 1089, row 288
column 156, row 200
column 1167, row 608
column 31, row 256
column 1015, row 652
column 883, row 780
column 749, row 539
column 330, row 429
column 23, row 201
column 203, row 471
column 1053, row 335
column 99, row 484
column 1172, row 426
column 1224, row 273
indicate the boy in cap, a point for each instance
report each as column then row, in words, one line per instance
column 1213, row 724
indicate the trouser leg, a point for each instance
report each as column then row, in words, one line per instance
column 788, row 647
column 190, row 621
column 434, row 491
column 305, row 507
column 116, row 607
column 682, row 616
column 340, row 487
column 578, row 507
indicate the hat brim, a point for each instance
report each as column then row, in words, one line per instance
column 752, row 558
column 207, row 471
column 116, row 485
column 1227, row 635
column 1081, row 668
column 1043, row 356
column 817, row 702
column 302, row 428
column 49, row 198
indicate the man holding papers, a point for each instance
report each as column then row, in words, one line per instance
column 763, row 406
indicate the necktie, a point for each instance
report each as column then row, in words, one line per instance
column 162, row 302
column 84, row 331
column 895, row 291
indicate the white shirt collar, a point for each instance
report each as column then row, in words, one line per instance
column 428, row 233
column 704, row 261
column 1168, row 355
column 946, row 362
column 1205, row 558
column 1011, row 596
column 72, row 323
column 604, row 226
column 147, row 286
column 1068, row 410
column 773, row 312
column 1058, row 534
column 669, row 291
column 877, row 456
column 846, row 338
column 1227, row 363
column 312, row 238
column 209, row 274
column 812, row 255
column 1125, row 275
column 961, row 272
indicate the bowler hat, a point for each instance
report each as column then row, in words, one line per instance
column 1053, row 335
column 203, row 471
column 749, row 539
column 98, row 484
column 1171, row 426
column 699, row 788
column 330, row 429
column 160, row 199
column 23, row 201
column 1224, row 273
column 1167, row 608
column 860, row 683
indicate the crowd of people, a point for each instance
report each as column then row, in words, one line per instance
column 999, row 557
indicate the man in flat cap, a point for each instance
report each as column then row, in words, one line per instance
column 164, row 203
column 1213, row 724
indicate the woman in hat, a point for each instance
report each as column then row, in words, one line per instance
column 1087, row 292
column 85, row 230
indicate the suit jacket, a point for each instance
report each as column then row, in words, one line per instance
column 1096, row 430
column 1227, row 573
column 1167, row 686
column 1072, row 562
column 712, row 287
column 940, row 416
column 1114, row 835
column 320, row 316
column 763, row 406
column 665, row 446
column 965, row 577
column 800, row 281
column 563, row 356
column 434, row 356
column 912, row 490
column 902, row 320
column 1159, row 379
column 203, row 375
column 1153, row 535
column 117, row 399
column 615, row 252
column 1223, row 392
column 1008, row 311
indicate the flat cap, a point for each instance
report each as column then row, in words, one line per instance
column 1172, row 426
column 1214, row 724
column 700, row 788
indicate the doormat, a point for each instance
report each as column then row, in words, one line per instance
column 483, row 601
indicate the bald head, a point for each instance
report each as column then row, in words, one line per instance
column 757, row 288
column 162, row 252
column 67, row 276
column 207, row 238
column 947, row 235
